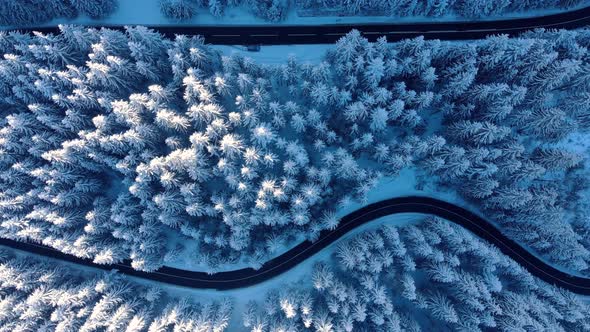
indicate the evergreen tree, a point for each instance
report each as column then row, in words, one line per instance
column 178, row 9
column 95, row 8
column 556, row 159
column 550, row 123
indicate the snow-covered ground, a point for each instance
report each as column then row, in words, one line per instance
column 278, row 54
column 147, row 12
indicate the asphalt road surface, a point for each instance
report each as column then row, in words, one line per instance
column 281, row 264
column 329, row 33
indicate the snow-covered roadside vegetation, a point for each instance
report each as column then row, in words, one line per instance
column 113, row 142
column 462, row 9
column 432, row 276
column 39, row 296
column 20, row 13
column 278, row 10
column 423, row 276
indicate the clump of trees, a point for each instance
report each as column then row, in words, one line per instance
column 276, row 10
column 114, row 143
column 178, row 9
column 269, row 10
column 429, row 8
column 40, row 296
column 428, row 276
column 29, row 12
column 507, row 106
column 95, row 8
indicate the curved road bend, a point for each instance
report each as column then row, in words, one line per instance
column 330, row 33
column 281, row 264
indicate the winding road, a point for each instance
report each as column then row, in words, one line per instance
column 329, row 33
column 281, row 264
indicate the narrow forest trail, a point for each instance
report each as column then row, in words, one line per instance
column 283, row 263
column 330, row 33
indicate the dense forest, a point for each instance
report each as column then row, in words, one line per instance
column 276, row 10
column 467, row 9
column 112, row 143
column 20, row 13
column 269, row 10
column 426, row 276
column 37, row 295
column 32, row 12
column 431, row 276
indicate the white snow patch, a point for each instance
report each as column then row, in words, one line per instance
column 278, row 54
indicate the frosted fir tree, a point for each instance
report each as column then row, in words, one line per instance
column 379, row 118
column 178, row 9
column 37, row 12
column 216, row 8
column 481, row 188
column 510, row 198
column 480, row 133
column 270, row 10
column 556, row 159
column 95, row 8
column 550, row 123
column 555, row 74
